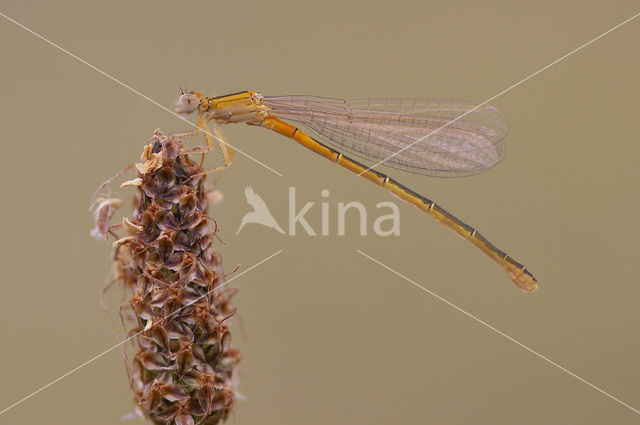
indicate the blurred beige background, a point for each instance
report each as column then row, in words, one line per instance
column 331, row 337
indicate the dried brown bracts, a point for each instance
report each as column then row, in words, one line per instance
column 178, row 316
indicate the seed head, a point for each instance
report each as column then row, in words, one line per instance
column 179, row 314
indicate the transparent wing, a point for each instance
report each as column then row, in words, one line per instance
column 376, row 129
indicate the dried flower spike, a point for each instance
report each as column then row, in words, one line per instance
column 184, row 370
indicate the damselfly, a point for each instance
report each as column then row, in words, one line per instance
column 434, row 137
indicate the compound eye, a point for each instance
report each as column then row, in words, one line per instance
column 187, row 103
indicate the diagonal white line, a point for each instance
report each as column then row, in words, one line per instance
column 114, row 79
column 498, row 332
column 131, row 337
column 503, row 92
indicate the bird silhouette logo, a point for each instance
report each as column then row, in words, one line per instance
column 260, row 213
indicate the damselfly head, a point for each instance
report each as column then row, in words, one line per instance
column 188, row 102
